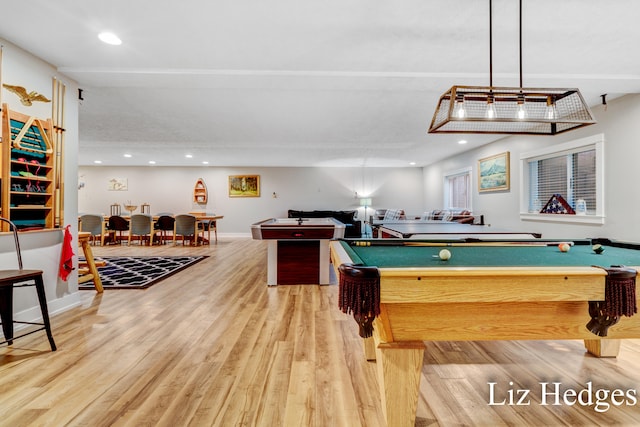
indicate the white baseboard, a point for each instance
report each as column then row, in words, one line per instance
column 234, row 235
column 56, row 306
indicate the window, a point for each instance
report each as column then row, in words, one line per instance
column 457, row 190
column 573, row 170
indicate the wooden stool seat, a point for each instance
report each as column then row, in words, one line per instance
column 88, row 270
column 12, row 275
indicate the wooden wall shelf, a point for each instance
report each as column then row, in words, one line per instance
column 200, row 192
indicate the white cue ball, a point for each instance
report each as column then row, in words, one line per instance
column 444, row 254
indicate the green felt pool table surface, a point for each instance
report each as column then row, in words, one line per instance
column 399, row 255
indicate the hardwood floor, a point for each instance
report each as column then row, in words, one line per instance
column 214, row 346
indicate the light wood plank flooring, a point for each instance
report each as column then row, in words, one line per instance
column 214, row 346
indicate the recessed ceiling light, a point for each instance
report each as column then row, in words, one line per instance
column 188, row 156
column 462, row 141
column 97, row 162
column 128, row 155
column 205, row 162
column 110, row 38
column 152, row 162
column 412, row 163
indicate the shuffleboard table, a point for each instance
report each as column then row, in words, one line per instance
column 298, row 248
column 487, row 290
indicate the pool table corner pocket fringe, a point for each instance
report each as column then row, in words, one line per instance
column 359, row 293
column 620, row 300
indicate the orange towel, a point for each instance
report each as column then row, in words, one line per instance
column 66, row 260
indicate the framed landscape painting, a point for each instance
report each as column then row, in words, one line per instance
column 493, row 173
column 244, row 186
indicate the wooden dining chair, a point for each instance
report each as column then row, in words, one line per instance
column 117, row 225
column 141, row 225
column 95, row 225
column 165, row 223
column 186, row 226
column 20, row 278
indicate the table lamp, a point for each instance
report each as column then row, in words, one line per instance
column 366, row 202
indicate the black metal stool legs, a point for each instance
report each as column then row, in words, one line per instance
column 19, row 280
column 6, row 312
column 42, row 298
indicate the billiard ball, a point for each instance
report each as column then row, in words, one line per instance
column 444, row 254
column 598, row 248
column 564, row 247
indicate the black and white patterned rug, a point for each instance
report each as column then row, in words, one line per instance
column 139, row 272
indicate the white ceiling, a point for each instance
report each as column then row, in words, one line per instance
column 309, row 83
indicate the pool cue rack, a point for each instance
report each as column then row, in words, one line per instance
column 28, row 170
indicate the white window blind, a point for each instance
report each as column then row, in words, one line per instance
column 458, row 190
column 573, row 176
column 573, row 170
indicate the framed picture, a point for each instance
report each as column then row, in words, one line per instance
column 493, row 173
column 117, row 184
column 244, row 185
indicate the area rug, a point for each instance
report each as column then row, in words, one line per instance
column 139, row 272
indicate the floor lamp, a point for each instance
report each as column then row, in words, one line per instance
column 366, row 202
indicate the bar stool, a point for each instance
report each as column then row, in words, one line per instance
column 20, row 278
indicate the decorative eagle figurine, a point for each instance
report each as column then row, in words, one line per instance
column 26, row 98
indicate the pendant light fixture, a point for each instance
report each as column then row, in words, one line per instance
column 509, row 110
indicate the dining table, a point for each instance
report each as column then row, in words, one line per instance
column 208, row 221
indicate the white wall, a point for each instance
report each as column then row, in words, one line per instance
column 620, row 125
column 41, row 250
column 170, row 189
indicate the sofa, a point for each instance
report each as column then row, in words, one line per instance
column 387, row 215
column 453, row 215
column 353, row 227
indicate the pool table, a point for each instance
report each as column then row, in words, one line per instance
column 487, row 290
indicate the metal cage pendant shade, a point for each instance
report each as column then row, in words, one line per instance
column 510, row 110
column 481, row 109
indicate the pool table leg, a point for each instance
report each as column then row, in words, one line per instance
column 399, row 366
column 369, row 348
column 603, row 348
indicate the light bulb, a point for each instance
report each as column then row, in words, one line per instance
column 491, row 112
column 550, row 112
column 521, row 114
column 459, row 111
